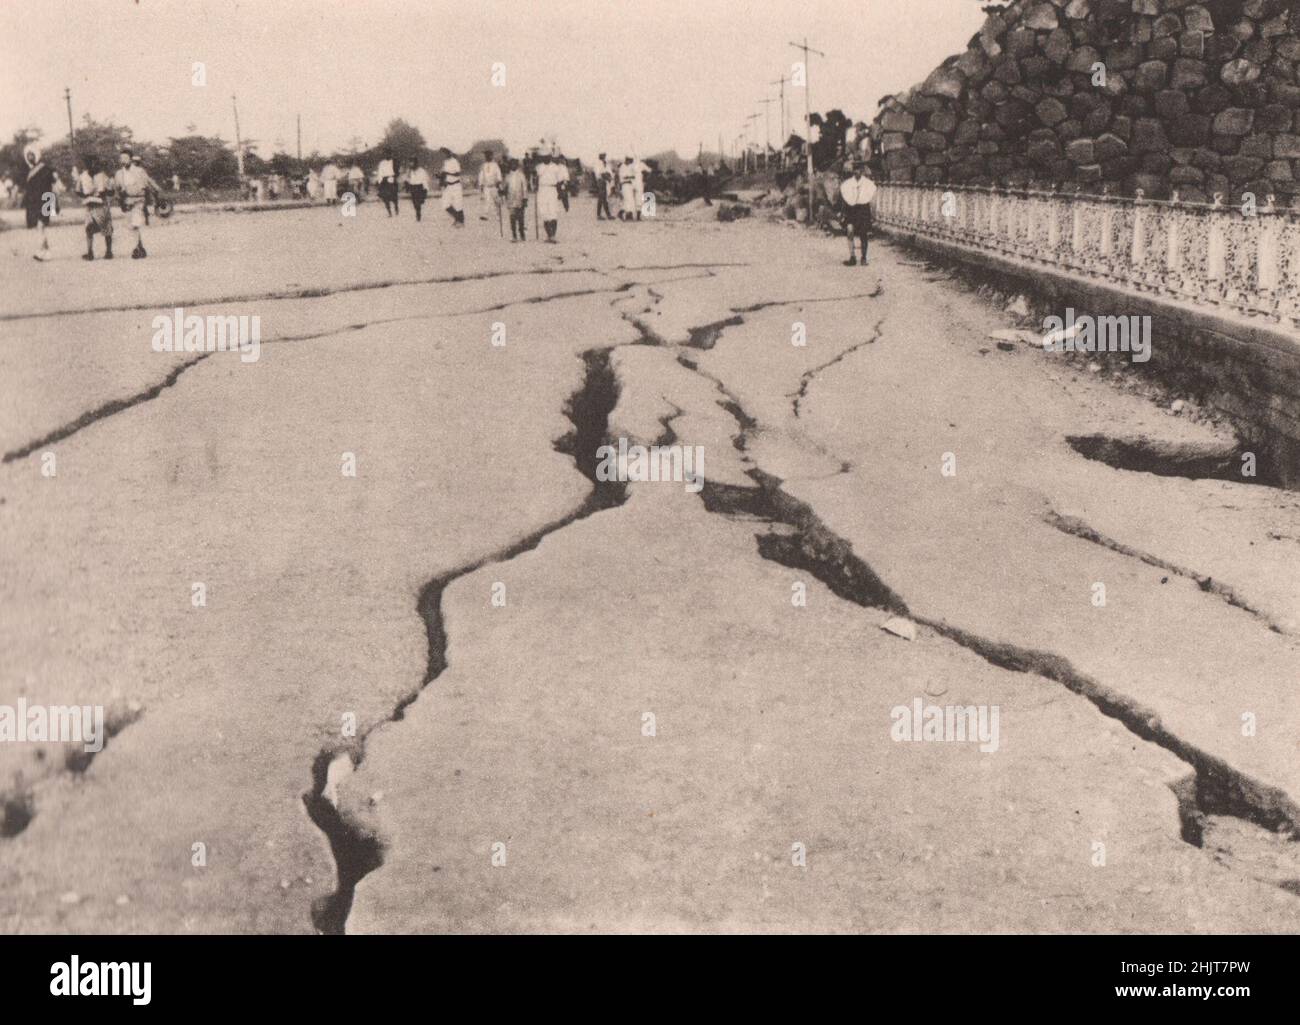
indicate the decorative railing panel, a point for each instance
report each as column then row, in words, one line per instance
column 1246, row 259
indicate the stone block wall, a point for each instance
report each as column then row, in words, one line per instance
column 1112, row 96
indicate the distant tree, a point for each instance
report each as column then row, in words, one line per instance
column 205, row 161
column 255, row 165
column 283, row 163
column 102, row 140
column 405, row 140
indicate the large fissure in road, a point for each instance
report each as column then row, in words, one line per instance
column 356, row 850
column 795, row 537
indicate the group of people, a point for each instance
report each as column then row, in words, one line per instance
column 626, row 181
column 130, row 187
column 503, row 190
column 545, row 174
column 390, row 176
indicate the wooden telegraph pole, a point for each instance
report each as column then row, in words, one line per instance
column 807, row 122
column 239, row 145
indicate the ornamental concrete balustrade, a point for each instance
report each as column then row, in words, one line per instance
column 1234, row 258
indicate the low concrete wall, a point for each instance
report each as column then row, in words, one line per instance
column 1248, row 370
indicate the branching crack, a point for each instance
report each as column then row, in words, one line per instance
column 357, row 851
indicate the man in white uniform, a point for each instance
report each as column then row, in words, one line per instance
column 489, row 187
column 453, row 195
column 627, row 189
column 548, row 196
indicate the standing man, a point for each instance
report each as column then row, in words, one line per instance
column 95, row 187
column 627, row 189
column 548, row 198
column 489, row 186
column 329, row 176
column 857, row 192
column 453, row 195
column 604, row 175
column 516, row 186
column 131, row 183
column 562, row 172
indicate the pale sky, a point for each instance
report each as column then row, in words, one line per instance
column 616, row 75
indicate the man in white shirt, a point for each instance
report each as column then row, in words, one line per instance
column 548, row 196
column 417, row 184
column 857, row 192
column 627, row 183
column 489, row 186
column 453, row 195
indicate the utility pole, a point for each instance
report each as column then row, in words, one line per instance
column 807, row 108
column 300, row 138
column 748, row 123
column 239, row 145
column 72, row 135
column 781, row 82
column 767, row 128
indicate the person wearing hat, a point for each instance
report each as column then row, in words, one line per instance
column 857, row 191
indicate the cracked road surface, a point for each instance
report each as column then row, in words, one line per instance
column 363, row 740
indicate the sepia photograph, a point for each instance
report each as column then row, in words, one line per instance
column 854, row 492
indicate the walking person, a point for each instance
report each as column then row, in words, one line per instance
column 131, row 183
column 857, row 192
column 453, row 194
column 418, row 186
column 152, row 190
column 516, row 186
column 95, row 189
column 604, row 177
column 39, row 199
column 387, row 178
column 562, row 173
